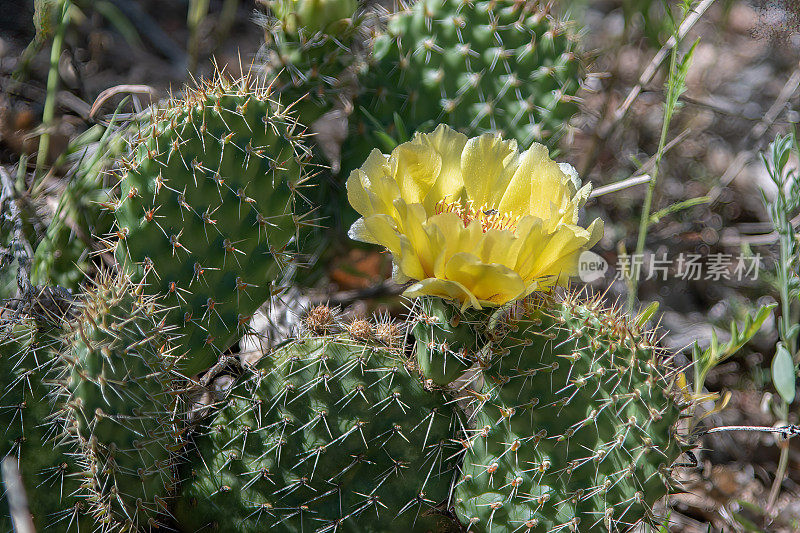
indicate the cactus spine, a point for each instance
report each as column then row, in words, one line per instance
column 327, row 434
column 479, row 66
column 28, row 370
column 574, row 425
column 448, row 341
column 121, row 405
column 207, row 209
column 309, row 50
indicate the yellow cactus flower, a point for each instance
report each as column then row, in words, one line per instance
column 472, row 220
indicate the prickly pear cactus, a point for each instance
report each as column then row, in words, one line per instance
column 574, row 425
column 327, row 434
column 495, row 66
column 207, row 209
column 312, row 15
column 121, row 387
column 49, row 472
column 448, row 341
column 308, row 51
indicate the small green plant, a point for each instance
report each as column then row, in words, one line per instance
column 787, row 280
column 675, row 86
column 703, row 361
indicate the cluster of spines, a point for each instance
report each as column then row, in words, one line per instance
column 210, row 234
column 380, row 330
column 447, row 341
column 29, row 346
column 574, row 425
column 310, row 64
column 120, row 403
column 485, row 66
column 331, row 432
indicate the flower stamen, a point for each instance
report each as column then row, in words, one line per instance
column 489, row 217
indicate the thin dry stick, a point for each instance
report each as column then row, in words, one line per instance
column 756, row 240
column 120, row 89
column 640, row 175
column 15, row 494
column 784, row 431
column 620, row 185
column 652, row 68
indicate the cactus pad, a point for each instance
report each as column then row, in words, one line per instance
column 484, row 66
column 447, row 340
column 574, row 425
column 327, row 434
column 207, row 209
column 49, row 472
column 121, row 407
column 308, row 51
column 505, row 67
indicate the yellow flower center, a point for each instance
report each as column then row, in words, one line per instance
column 489, row 217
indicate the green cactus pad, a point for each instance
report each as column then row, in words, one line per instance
column 484, row 66
column 308, row 51
column 574, row 425
column 448, row 341
column 49, row 471
column 207, row 209
column 327, row 434
column 312, row 15
column 121, row 407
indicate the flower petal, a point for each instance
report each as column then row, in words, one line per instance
column 490, row 283
column 449, row 185
column 497, row 246
column 595, row 230
column 538, row 182
column 413, row 218
column 382, row 230
column 357, row 194
column 455, row 238
column 552, row 257
column 572, row 174
column 408, row 262
column 487, row 165
column 360, row 192
column 359, row 232
column 415, row 167
column 449, row 290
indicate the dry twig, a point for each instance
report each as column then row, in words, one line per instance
column 15, row 494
